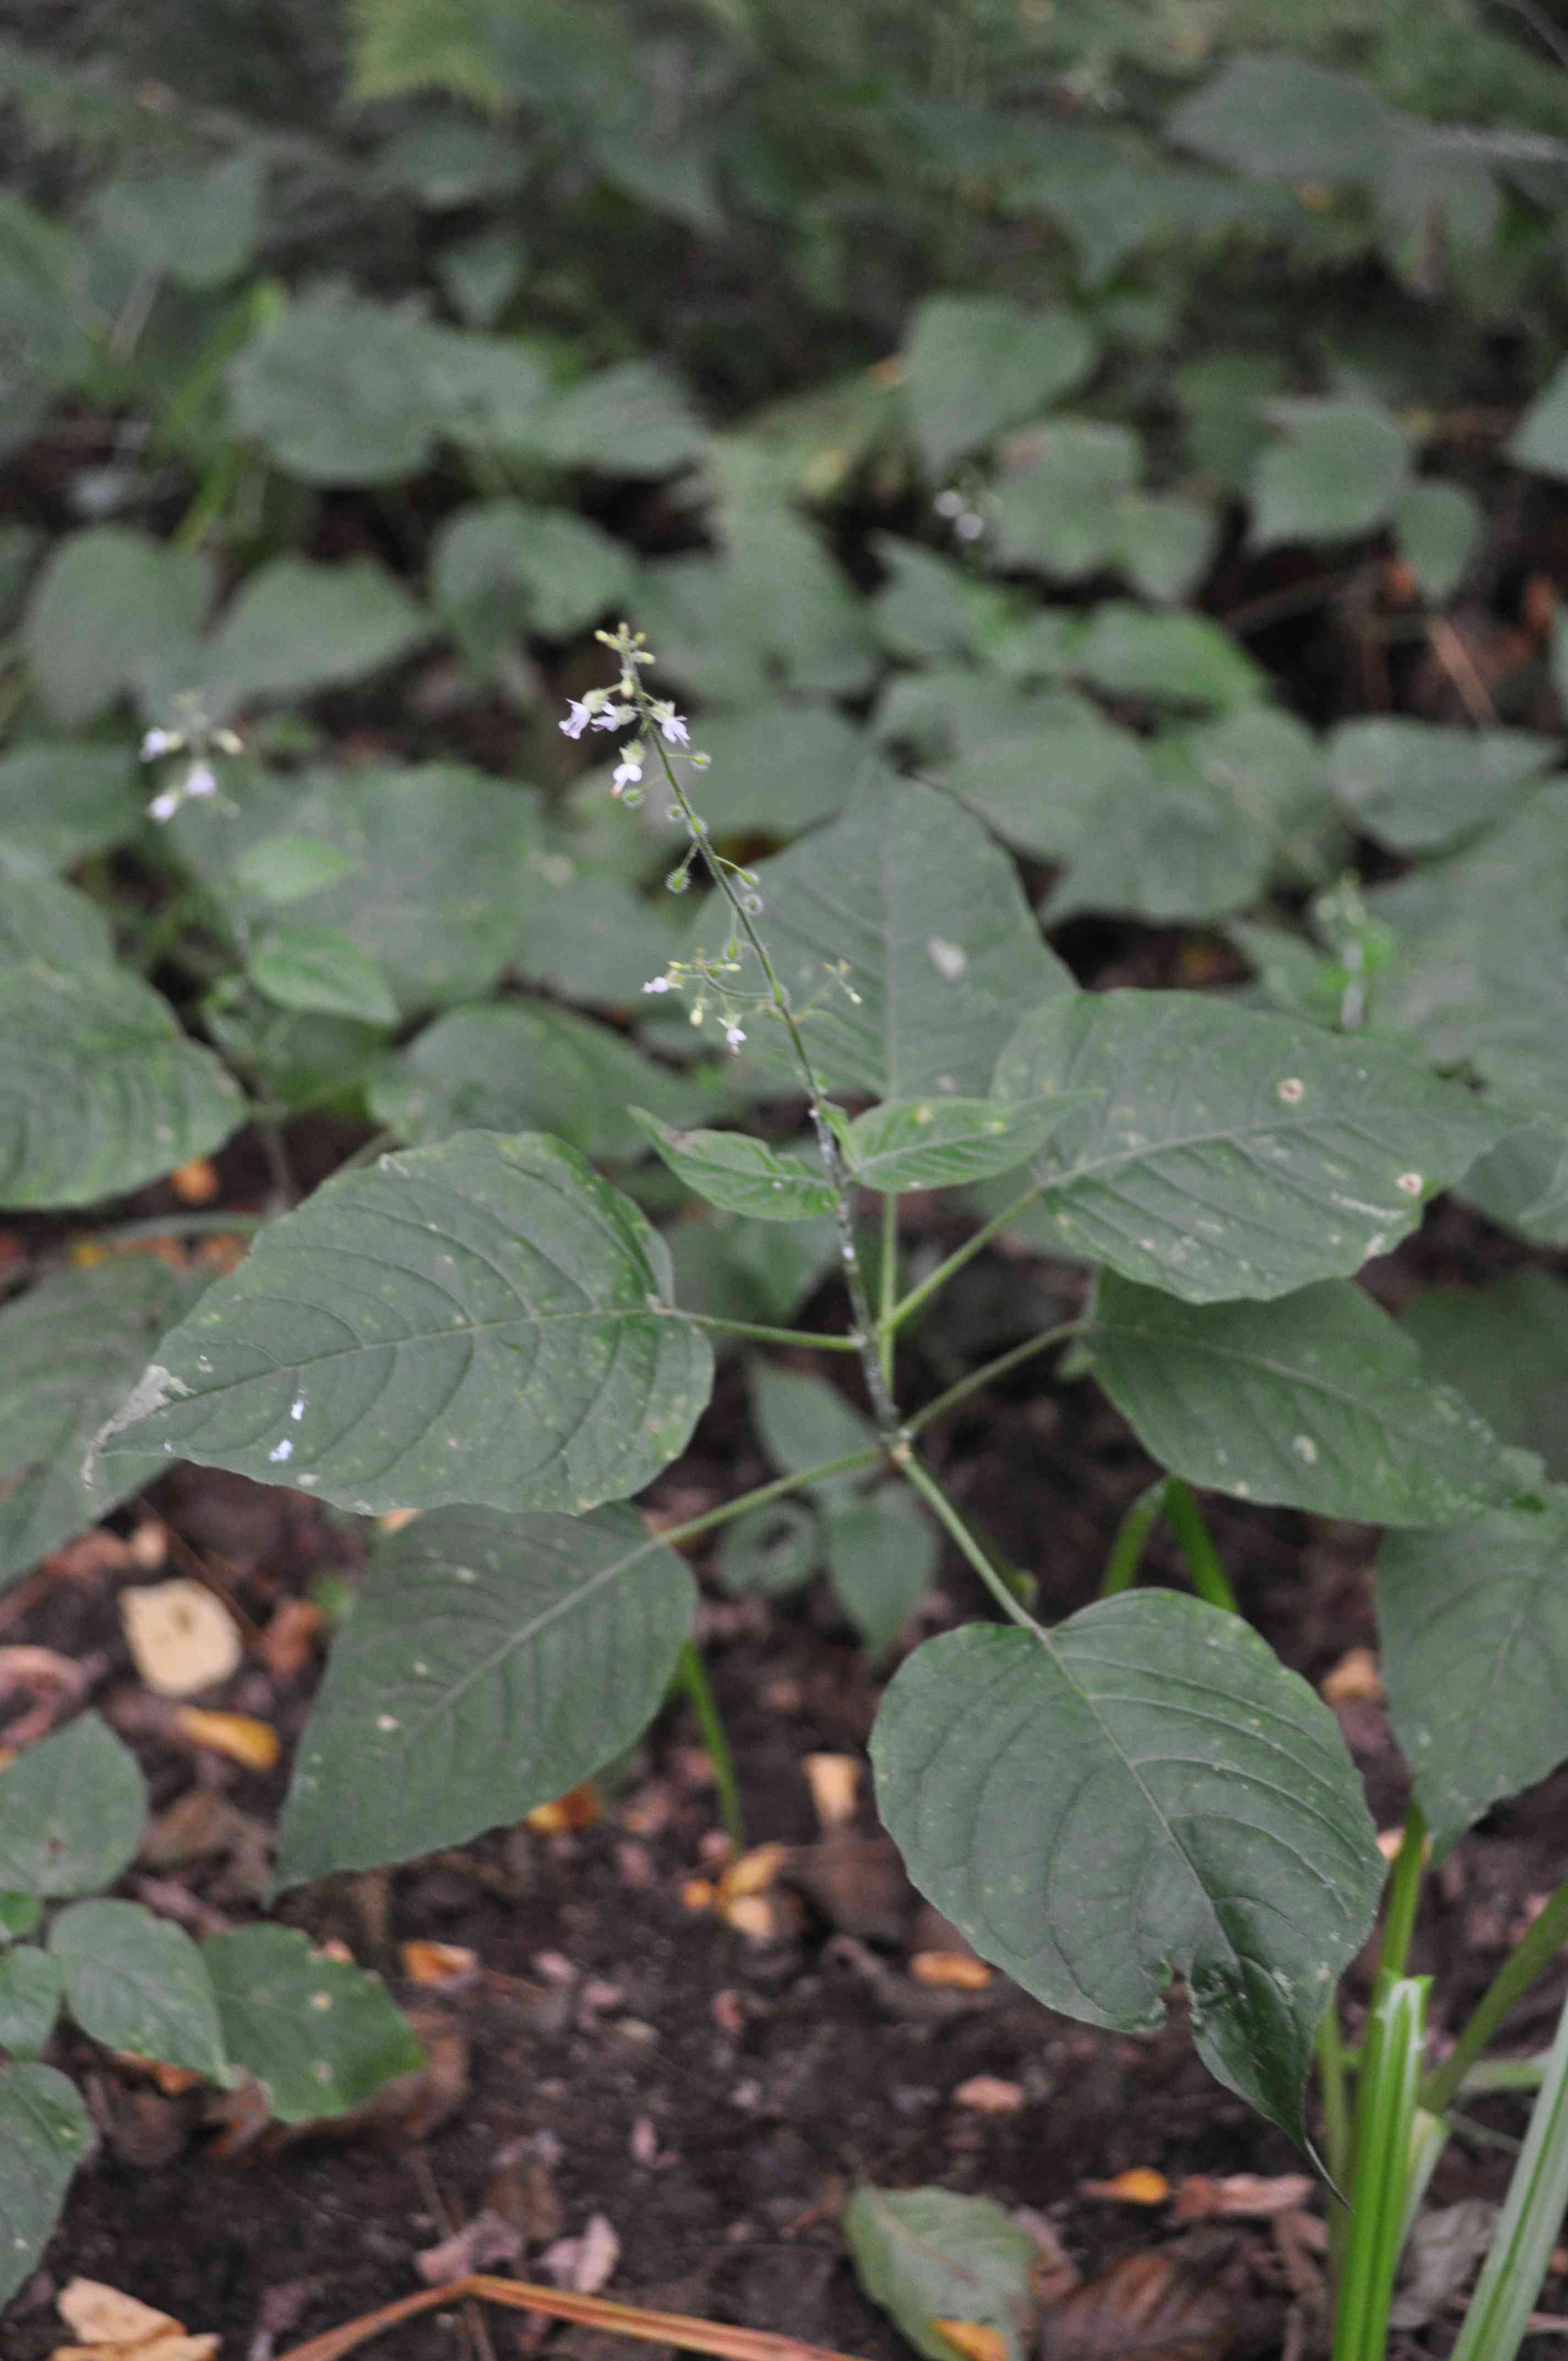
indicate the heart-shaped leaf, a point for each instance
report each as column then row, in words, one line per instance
column 741, row 1174
column 45, row 2132
column 925, row 2255
column 1316, row 1399
column 1234, row 1153
column 1142, row 1793
column 491, row 1663
column 72, row 1809
column 947, row 1143
column 475, row 1321
column 321, row 2034
column 135, row 1982
column 1475, row 1650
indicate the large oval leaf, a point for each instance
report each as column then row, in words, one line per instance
column 940, row 952
column 1475, row 1633
column 491, row 1663
column 72, row 1809
column 1233, row 1153
column 45, row 2132
column 475, row 1321
column 1141, row 1794
column 740, row 1174
column 135, row 1982
column 321, row 2033
column 1317, row 1400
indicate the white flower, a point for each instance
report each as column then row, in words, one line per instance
column 628, row 770
column 671, row 725
column 733, row 1034
column 159, row 742
column 163, row 806
column 659, row 983
column 615, row 716
column 579, row 716
column 200, row 780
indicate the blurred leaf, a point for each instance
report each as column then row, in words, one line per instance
column 931, row 611
column 1273, row 116
column 481, row 274
column 1437, row 527
column 500, row 567
column 1541, row 438
column 316, row 968
column 772, row 1549
column 61, row 802
column 742, row 1175
column 30, row 1991
column 777, row 767
column 45, row 2132
column 1418, row 785
column 296, row 627
column 1162, row 543
column 1058, row 509
column 287, row 868
column 199, row 226
column 631, row 420
column 925, row 2255
column 135, row 1982
column 802, row 1419
column 595, row 939
column 974, row 364
column 336, row 390
column 1522, row 1183
column 1166, row 659
column 882, row 1556
column 109, row 602
column 1505, row 1347
column 1336, row 472
column 1147, row 2307
column 321, row 2034
column 74, row 1809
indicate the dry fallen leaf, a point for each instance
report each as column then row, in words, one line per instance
column 585, row 2265
column 122, row 2329
column 954, row 1971
column 988, row 2095
column 1356, row 1679
column 1145, row 2307
column 835, row 1783
column 487, row 2238
column 240, row 1736
column 579, row 1808
column 195, row 1183
column 441, row 1964
column 288, row 1643
column 1140, row 2185
column 1241, row 2196
column 975, row 2342
column 182, row 1638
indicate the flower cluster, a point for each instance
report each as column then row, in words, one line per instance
column 605, row 708
column 194, row 737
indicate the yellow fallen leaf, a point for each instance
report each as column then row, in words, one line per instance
column 182, row 1638
column 174, row 2346
column 835, row 1783
column 106, row 2315
column 578, row 1808
column 437, row 1963
column 1140, row 2185
column 698, row 1893
column 195, row 1183
column 751, row 1915
column 238, row 1735
column 954, row 1971
column 974, row 2341
column 753, row 1872
column 1354, row 1679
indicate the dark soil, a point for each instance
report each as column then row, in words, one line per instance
column 713, row 2093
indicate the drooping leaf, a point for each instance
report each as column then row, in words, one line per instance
column 974, row 364
column 770, row 1549
column 109, row 601
column 316, row 968
column 1337, row 471
column 1474, row 1630
column 59, row 802
column 925, row 2255
column 45, row 2132
column 1316, row 1399
column 1418, row 785
column 802, row 1419
column 135, row 1982
column 1144, row 1792
column 320, row 2033
column 70, row 1349
column 1236, row 1153
column 72, row 1809
column 1505, row 1347
column 741, row 1174
column 947, row 1143
column 296, row 627
column 491, row 1663
column 474, row 1322
column 526, row 1066
column 30, row 1991
column 882, row 1556
column 938, row 944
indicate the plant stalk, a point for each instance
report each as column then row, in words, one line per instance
column 936, row 1280
column 1543, row 1941
column 1209, row 1579
column 1498, row 2318
column 942, row 1509
column 1132, row 1540
column 691, row 1677
column 1385, row 2101
column 999, row 1367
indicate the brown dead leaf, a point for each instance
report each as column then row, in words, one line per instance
column 240, row 1736
column 182, row 1638
column 974, row 2341
column 1241, row 2196
column 195, row 1183
column 950, row 1970
column 444, row 1965
column 579, row 1808
column 857, row 1881
column 988, row 2095
column 1145, row 2307
column 487, row 2238
column 585, row 2265
column 835, row 1783
column 120, row 2328
column 1354, row 1680
column 288, row 1643
column 1140, row 2185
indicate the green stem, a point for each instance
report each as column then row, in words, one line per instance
column 936, row 1280
column 1384, row 2119
column 1543, row 1941
column 761, row 1335
column 1132, row 1540
column 691, row 1675
column 887, row 1287
column 1498, row 2318
column 942, row 1509
column 1333, row 2089
column 1404, row 1899
column 762, row 1493
column 992, row 1370
column 1193, row 1537
column 1503, row 2074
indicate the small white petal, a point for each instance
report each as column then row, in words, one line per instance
column 156, row 742
column 579, row 716
column 163, row 806
column 659, row 983
column 200, row 780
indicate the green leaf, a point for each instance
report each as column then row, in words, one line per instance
column 297, row 627
column 336, row 390
column 199, row 227
column 1436, row 526
column 1316, row 1400
column 1058, row 512
column 287, row 868
column 1336, row 473
column 45, row 2132
column 480, row 275
column 947, row 1143
column 931, row 611
column 734, row 1269
column 135, row 1982
column 776, row 768
column 1474, row 1630
column 1541, row 438
column 1522, row 1183
column 974, row 364
column 480, row 1322
column 741, row 1174
column 30, row 1990
column 1275, row 116
column 1043, row 771
column 317, row 967
column 631, row 420
column 925, row 2255
column 1164, row 545
column 59, row 802
column 108, row 603
column 802, row 1420
column 1236, row 1153
column 100, row 1090
column 595, row 938
column 1165, row 659
column 72, row 1809
column 772, row 614
column 491, row 1663
column 882, row 1556
column 1144, row 1792
column 940, row 950
column 19, row 1914
column 321, row 2034
column 70, row 1349
column 525, row 1066
column 501, row 567
column 772, row 1549
column 1418, row 785
column 1505, row 1347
